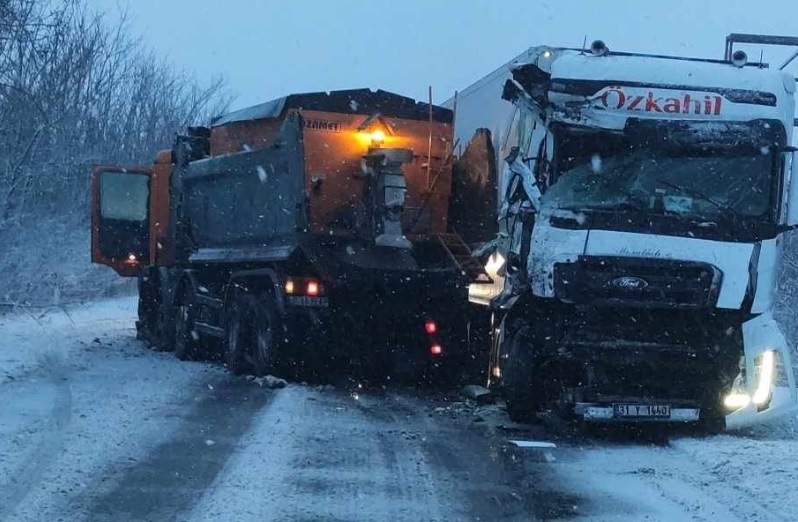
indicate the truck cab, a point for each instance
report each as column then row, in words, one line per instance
column 642, row 201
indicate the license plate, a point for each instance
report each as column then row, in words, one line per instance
column 641, row 410
column 298, row 300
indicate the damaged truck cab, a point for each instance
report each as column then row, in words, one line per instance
column 642, row 205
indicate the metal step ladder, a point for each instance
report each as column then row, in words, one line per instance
column 462, row 257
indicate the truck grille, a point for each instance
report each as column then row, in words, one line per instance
column 653, row 283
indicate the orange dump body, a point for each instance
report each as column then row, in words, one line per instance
column 333, row 146
column 313, row 146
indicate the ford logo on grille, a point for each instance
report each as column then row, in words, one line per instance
column 629, row 283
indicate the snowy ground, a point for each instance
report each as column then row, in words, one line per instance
column 46, row 262
column 95, row 427
column 31, row 335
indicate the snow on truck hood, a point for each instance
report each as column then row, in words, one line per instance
column 571, row 65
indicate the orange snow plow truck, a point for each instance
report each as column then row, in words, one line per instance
column 305, row 232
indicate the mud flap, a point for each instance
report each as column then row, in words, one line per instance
column 761, row 335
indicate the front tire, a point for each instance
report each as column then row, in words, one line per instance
column 522, row 389
column 519, row 408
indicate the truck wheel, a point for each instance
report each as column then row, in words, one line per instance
column 253, row 334
column 186, row 338
column 236, row 362
column 522, row 391
column 519, row 408
column 266, row 333
column 148, row 307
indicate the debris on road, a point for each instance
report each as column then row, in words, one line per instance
column 533, row 444
column 270, row 381
column 455, row 409
column 478, row 393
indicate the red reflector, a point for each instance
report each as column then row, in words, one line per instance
column 435, row 349
column 313, row 288
column 430, row 326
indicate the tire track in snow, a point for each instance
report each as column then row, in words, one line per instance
column 176, row 474
column 31, row 472
column 475, row 473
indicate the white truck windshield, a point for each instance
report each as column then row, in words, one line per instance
column 697, row 183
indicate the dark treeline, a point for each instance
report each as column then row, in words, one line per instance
column 76, row 89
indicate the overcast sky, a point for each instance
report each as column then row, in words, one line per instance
column 268, row 48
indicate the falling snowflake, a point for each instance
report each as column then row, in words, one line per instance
column 595, row 163
column 262, row 174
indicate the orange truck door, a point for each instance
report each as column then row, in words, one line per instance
column 121, row 218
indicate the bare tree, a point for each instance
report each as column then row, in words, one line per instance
column 76, row 90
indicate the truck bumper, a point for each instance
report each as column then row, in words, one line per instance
column 372, row 328
column 769, row 391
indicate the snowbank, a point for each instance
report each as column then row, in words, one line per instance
column 759, row 464
column 26, row 337
column 48, row 262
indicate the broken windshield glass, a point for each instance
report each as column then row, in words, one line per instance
column 608, row 171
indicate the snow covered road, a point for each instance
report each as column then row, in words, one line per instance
column 93, row 426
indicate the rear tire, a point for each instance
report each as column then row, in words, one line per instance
column 267, row 333
column 148, row 325
column 187, row 342
column 254, row 334
column 234, row 353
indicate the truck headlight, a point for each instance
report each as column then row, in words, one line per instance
column 735, row 401
column 765, row 381
column 738, row 398
column 494, row 264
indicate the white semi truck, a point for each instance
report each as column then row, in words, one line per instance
column 642, row 202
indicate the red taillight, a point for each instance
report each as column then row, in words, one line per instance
column 435, row 349
column 430, row 327
column 312, row 288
